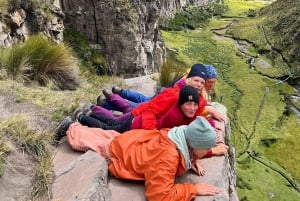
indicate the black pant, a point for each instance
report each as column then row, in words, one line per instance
column 100, row 121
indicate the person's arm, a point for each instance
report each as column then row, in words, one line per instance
column 160, row 181
column 158, row 106
column 197, row 168
column 214, row 113
column 219, row 149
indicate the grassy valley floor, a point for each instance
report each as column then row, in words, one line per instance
column 264, row 133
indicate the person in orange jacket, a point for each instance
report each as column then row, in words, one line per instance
column 155, row 156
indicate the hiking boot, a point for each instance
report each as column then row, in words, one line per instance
column 61, row 130
column 116, row 90
column 101, row 100
column 76, row 114
column 86, row 108
column 106, row 93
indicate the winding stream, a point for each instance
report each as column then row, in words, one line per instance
column 242, row 46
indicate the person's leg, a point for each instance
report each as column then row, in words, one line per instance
column 83, row 138
column 101, row 110
column 109, row 120
column 120, row 103
column 95, row 123
column 110, row 106
column 103, row 118
column 134, row 96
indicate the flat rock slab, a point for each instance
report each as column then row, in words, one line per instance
column 83, row 176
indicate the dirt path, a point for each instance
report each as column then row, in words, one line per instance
column 15, row 182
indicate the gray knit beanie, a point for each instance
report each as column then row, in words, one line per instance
column 200, row 134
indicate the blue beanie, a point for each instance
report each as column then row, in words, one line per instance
column 198, row 70
column 211, row 71
column 200, row 134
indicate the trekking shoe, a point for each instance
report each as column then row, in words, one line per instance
column 106, row 93
column 61, row 130
column 101, row 100
column 86, row 108
column 76, row 114
column 116, row 90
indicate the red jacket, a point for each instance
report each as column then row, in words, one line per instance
column 173, row 117
column 152, row 111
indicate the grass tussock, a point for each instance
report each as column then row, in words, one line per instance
column 40, row 60
column 4, row 150
column 169, row 72
column 35, row 143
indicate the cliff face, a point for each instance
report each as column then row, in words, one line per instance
column 127, row 30
column 22, row 21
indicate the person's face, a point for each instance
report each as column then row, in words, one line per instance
column 197, row 82
column 200, row 153
column 210, row 83
column 189, row 108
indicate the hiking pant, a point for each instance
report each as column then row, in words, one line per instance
column 119, row 103
column 134, row 96
column 100, row 121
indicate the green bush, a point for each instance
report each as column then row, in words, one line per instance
column 89, row 54
column 39, row 59
column 170, row 71
column 193, row 17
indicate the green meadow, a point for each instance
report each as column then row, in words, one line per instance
column 264, row 131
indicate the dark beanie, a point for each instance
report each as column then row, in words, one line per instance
column 188, row 93
column 198, row 70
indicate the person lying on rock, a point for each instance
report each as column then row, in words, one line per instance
column 135, row 98
column 153, row 156
column 183, row 112
column 162, row 102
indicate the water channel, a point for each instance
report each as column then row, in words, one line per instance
column 258, row 62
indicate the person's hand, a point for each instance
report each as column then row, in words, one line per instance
column 215, row 114
column 218, row 116
column 196, row 167
column 206, row 189
column 219, row 149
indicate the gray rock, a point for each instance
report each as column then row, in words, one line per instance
column 70, row 166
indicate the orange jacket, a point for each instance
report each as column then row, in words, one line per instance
column 159, row 105
column 151, row 156
column 147, row 155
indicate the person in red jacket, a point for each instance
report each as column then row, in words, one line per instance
column 163, row 101
column 153, row 156
column 181, row 112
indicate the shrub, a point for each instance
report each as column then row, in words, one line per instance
column 39, row 59
column 89, row 54
column 193, row 17
column 170, row 71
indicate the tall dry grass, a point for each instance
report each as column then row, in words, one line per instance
column 39, row 59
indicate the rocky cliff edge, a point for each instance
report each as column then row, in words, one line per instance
column 84, row 176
